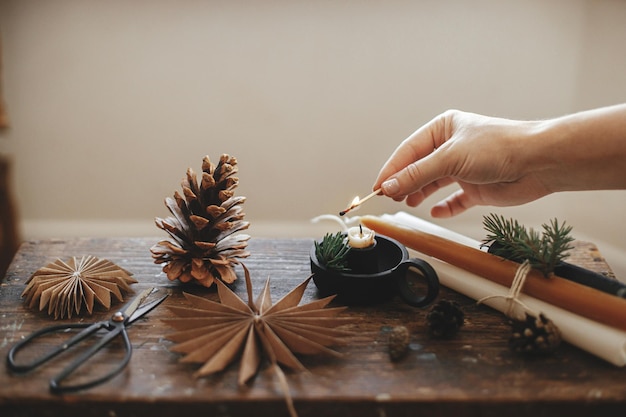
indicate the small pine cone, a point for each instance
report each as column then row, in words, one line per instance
column 398, row 342
column 203, row 244
column 444, row 319
column 535, row 335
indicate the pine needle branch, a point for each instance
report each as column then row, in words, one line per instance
column 513, row 241
column 332, row 251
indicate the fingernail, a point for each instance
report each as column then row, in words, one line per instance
column 391, row 187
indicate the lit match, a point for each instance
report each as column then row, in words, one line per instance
column 357, row 202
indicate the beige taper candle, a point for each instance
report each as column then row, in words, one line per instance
column 568, row 295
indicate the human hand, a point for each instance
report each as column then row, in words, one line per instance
column 491, row 159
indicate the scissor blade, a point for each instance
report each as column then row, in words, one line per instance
column 145, row 308
column 130, row 308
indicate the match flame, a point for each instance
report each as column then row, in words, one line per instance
column 357, row 202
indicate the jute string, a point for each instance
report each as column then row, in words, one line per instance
column 512, row 298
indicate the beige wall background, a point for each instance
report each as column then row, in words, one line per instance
column 111, row 102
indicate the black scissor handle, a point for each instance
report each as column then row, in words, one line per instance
column 55, row 383
column 56, row 386
column 13, row 365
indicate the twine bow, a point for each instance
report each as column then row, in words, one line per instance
column 512, row 297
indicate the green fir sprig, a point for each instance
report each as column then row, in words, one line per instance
column 332, row 251
column 513, row 241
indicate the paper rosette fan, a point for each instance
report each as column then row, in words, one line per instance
column 217, row 334
column 66, row 287
column 203, row 246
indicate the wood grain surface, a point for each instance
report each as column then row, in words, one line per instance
column 473, row 374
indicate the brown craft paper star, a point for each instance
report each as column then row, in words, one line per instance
column 216, row 334
column 64, row 287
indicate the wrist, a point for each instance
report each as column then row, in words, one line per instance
column 547, row 139
column 583, row 151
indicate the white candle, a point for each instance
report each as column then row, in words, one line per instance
column 606, row 342
column 360, row 237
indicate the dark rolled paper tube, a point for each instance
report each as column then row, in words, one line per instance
column 577, row 274
column 591, row 279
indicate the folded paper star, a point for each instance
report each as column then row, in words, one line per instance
column 217, row 334
column 65, row 287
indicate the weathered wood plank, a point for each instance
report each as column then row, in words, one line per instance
column 473, row 374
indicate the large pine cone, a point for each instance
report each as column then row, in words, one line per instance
column 202, row 244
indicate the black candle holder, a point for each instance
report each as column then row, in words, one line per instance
column 363, row 260
column 376, row 274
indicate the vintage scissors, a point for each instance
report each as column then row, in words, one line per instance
column 115, row 326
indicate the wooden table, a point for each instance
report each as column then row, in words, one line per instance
column 474, row 374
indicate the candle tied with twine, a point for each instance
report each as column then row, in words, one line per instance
column 534, row 333
column 584, row 301
column 512, row 298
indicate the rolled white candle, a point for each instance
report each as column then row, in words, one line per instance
column 360, row 237
column 598, row 339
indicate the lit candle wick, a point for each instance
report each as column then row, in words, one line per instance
column 357, row 202
column 361, row 238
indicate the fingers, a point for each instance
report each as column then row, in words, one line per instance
column 418, row 145
column 416, row 198
column 456, row 203
column 426, row 175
